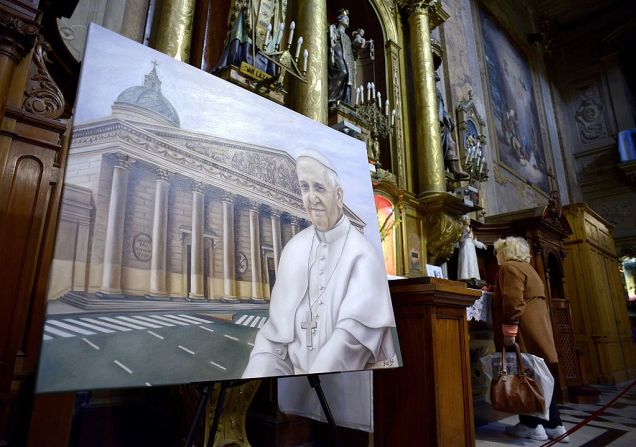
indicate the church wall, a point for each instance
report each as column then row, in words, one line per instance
column 595, row 106
column 464, row 69
column 243, row 244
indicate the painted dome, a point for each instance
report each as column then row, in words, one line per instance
column 149, row 98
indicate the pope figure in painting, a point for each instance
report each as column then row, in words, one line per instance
column 330, row 308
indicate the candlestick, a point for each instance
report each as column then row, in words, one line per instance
column 386, row 108
column 299, row 44
column 305, row 57
column 292, row 27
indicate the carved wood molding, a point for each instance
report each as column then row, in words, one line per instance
column 42, row 95
column 17, row 33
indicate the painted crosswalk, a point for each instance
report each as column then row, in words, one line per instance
column 86, row 326
column 251, row 320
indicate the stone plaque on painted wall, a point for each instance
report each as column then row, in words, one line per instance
column 142, row 247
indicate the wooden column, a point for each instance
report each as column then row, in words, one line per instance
column 32, row 156
column 428, row 401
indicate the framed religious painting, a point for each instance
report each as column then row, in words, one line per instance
column 519, row 140
column 207, row 233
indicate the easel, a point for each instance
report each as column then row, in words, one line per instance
column 206, row 391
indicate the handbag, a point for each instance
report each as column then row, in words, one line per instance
column 515, row 393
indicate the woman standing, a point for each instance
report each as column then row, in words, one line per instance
column 520, row 314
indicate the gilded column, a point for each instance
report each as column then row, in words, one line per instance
column 172, row 30
column 398, row 146
column 111, row 273
column 255, row 252
column 229, row 272
column 310, row 99
column 276, row 237
column 424, row 15
column 196, row 248
column 159, row 235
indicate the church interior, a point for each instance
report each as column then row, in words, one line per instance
column 482, row 119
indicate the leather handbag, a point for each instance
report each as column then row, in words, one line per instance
column 515, row 393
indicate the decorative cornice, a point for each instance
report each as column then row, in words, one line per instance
column 124, row 161
column 42, row 95
column 17, row 35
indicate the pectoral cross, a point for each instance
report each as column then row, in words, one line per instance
column 309, row 325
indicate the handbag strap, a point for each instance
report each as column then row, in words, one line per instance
column 520, row 366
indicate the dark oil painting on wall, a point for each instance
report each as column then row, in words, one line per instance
column 514, row 107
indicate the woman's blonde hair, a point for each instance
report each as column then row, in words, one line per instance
column 513, row 249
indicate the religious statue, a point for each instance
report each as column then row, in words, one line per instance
column 451, row 155
column 343, row 53
column 467, row 268
column 253, row 25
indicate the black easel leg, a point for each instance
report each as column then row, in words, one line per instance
column 205, row 395
column 314, row 381
column 217, row 414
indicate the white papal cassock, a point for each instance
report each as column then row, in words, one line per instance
column 330, row 308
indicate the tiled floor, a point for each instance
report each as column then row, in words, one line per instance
column 615, row 427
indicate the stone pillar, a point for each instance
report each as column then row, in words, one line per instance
column 229, row 264
column 276, row 237
column 255, row 252
column 295, row 222
column 111, row 274
column 172, row 33
column 196, row 245
column 159, row 235
column 310, row 99
column 423, row 16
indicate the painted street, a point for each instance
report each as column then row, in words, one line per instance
column 108, row 350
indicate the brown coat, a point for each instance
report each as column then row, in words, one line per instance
column 520, row 299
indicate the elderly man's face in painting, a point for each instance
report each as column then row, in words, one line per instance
column 322, row 198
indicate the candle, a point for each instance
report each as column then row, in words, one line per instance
column 269, row 34
column 279, row 36
column 393, row 118
column 305, row 56
column 362, row 94
column 369, row 91
column 481, row 168
column 386, row 107
column 379, row 101
column 299, row 44
column 468, row 151
column 373, row 90
column 292, row 27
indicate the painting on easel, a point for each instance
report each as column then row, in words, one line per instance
column 207, row 233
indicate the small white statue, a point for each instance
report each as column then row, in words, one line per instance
column 467, row 267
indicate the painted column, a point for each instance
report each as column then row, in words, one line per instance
column 276, row 237
column 111, row 273
column 196, row 247
column 423, row 16
column 310, row 99
column 295, row 225
column 172, row 34
column 255, row 252
column 159, row 235
column 229, row 264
